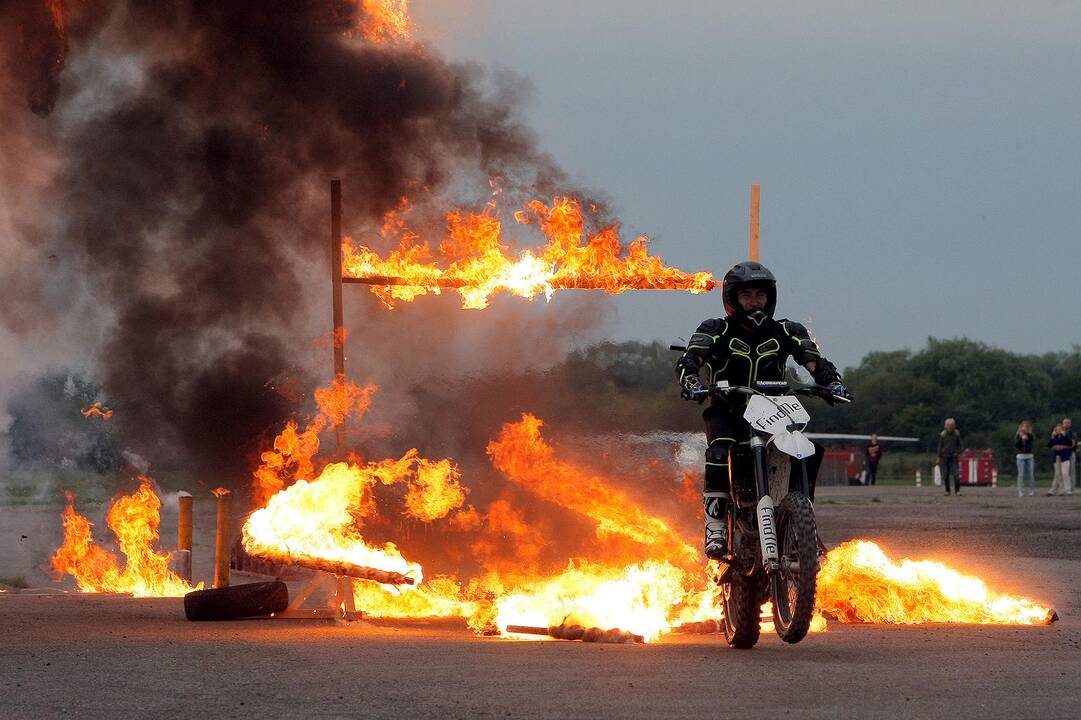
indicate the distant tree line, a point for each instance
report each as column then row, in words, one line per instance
column 989, row 391
column 630, row 387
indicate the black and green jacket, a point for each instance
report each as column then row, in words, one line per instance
column 728, row 351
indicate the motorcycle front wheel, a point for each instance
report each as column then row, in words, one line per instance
column 793, row 585
column 741, row 602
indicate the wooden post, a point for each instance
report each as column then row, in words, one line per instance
column 336, row 284
column 224, row 538
column 756, row 194
column 183, row 535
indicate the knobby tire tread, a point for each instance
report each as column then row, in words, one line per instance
column 743, row 618
column 797, row 510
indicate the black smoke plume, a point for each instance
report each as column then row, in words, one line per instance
column 194, row 142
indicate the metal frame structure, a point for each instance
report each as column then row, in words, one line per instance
column 343, row 599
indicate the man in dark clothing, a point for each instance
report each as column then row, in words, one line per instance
column 949, row 447
column 872, row 454
column 1062, row 444
column 744, row 347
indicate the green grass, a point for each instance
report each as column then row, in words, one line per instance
column 47, row 488
column 1043, row 480
column 42, row 487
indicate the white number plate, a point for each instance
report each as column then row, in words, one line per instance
column 774, row 415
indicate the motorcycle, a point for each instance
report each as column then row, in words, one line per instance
column 773, row 548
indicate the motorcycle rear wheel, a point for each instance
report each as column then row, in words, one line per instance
column 793, row 586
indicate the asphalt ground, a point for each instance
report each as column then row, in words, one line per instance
column 68, row 655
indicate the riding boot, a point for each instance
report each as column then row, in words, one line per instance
column 716, row 504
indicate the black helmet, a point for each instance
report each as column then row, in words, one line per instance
column 749, row 275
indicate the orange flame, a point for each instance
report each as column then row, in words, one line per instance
column 56, row 9
column 859, row 583
column 385, row 20
column 97, row 410
column 639, row 597
column 644, row 577
column 438, row 596
column 291, row 455
column 319, row 518
column 475, row 262
column 527, row 460
column 134, row 519
column 635, row 572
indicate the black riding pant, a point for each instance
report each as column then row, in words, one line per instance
column 723, row 431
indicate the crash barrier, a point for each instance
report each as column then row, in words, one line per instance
column 841, row 466
column 977, row 467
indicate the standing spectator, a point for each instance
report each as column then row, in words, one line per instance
column 1025, row 460
column 1071, row 436
column 1062, row 443
column 949, row 447
column 872, row 454
column 1067, row 425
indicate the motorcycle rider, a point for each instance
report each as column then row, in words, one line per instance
column 745, row 346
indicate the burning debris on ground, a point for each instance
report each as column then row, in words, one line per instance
column 577, row 632
column 635, row 575
column 860, row 583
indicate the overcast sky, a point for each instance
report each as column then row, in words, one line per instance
column 920, row 161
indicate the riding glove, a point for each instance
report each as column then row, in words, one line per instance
column 693, row 389
column 839, row 391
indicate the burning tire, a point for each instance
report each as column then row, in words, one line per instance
column 793, row 586
column 742, row 618
column 237, row 601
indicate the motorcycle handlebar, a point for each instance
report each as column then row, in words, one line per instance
column 813, row 390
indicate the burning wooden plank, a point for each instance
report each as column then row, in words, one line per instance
column 578, row 632
column 337, row 567
column 454, row 283
column 700, row 627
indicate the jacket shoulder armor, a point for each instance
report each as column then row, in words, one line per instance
column 799, row 336
column 707, row 334
column 791, row 327
column 714, row 326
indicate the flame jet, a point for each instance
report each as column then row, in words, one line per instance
column 475, row 261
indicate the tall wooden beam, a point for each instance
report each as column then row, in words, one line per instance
column 756, row 195
column 336, row 284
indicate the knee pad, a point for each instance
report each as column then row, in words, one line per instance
column 717, row 478
column 717, row 452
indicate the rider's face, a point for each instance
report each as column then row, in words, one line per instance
column 752, row 299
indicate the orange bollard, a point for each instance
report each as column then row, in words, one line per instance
column 224, row 537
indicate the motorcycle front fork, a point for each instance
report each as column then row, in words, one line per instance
column 764, row 510
column 767, row 519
